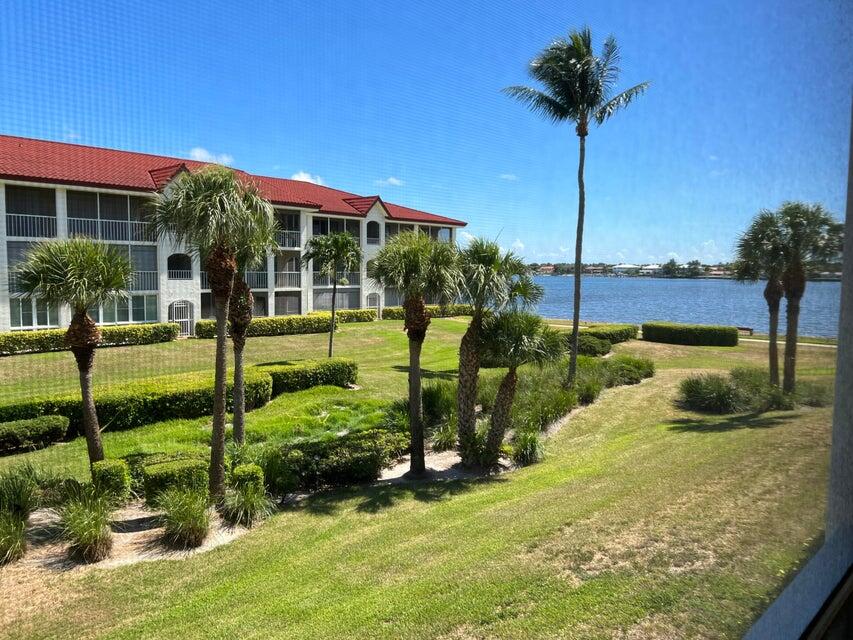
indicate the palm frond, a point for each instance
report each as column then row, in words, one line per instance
column 605, row 111
column 539, row 102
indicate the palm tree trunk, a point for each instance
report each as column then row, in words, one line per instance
column 792, row 318
column 416, row 414
column 332, row 327
column 500, row 416
column 466, row 390
column 217, row 440
column 239, row 419
column 573, row 356
column 773, row 294
column 82, row 337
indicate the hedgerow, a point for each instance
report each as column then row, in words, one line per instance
column 690, row 334
column 32, row 433
column 318, row 322
column 613, row 333
column 42, row 340
column 434, row 310
column 296, row 376
column 188, row 474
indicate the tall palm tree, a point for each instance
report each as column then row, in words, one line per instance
column 253, row 252
column 84, row 275
column 418, row 268
column 491, row 280
column 810, row 235
column 514, row 338
column 578, row 88
column 760, row 255
column 333, row 255
column 214, row 213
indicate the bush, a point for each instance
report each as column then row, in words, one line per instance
column 296, row 376
column 625, row 369
column 244, row 475
column 33, row 433
column 527, row 448
column 690, row 334
column 13, row 537
column 187, row 474
column 43, row 340
column 85, row 519
column 345, row 316
column 247, row 501
column 134, row 403
column 613, row 333
column 711, row 393
column 434, row 310
column 588, row 388
column 186, row 517
column 589, row 344
column 439, row 402
column 19, row 491
column 111, row 478
column 138, row 460
column 444, row 437
column 813, row 393
column 318, row 322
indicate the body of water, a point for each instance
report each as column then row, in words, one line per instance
column 699, row 301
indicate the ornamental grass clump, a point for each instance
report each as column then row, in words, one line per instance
column 19, row 492
column 186, row 517
column 85, row 519
column 246, row 502
column 527, row 448
column 13, row 539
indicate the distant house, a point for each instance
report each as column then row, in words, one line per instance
column 546, row 269
column 650, row 270
column 718, row 272
column 625, row 269
column 595, row 270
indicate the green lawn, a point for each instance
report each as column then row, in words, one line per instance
column 643, row 521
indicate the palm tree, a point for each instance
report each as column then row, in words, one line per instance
column 810, row 235
column 84, row 275
column 578, row 88
column 214, row 213
column 491, row 280
column 253, row 252
column 514, row 338
column 760, row 255
column 418, row 268
column 333, row 255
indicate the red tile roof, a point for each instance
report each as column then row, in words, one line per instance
column 74, row 164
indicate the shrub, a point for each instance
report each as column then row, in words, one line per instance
column 345, row 316
column 138, row 460
column 439, row 402
column 527, row 448
column 589, row 344
column 588, row 388
column 13, row 537
column 613, row 333
column 111, row 478
column 625, row 369
column 690, row 334
column 318, row 322
column 186, row 516
column 434, row 310
column 19, row 491
column 296, row 376
column 188, row 474
column 111, row 336
column 247, row 501
column 247, row 474
column 85, row 519
column 134, row 403
column 711, row 393
column 444, row 437
column 32, row 433
column 812, row 393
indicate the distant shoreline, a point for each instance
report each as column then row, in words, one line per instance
column 650, row 277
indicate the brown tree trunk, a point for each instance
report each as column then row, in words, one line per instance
column 773, row 294
column 500, row 416
column 466, row 390
column 239, row 419
column 332, row 327
column 240, row 316
column 576, row 313
column 416, row 324
column 794, row 282
column 83, row 337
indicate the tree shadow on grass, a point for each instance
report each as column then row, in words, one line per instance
column 374, row 498
column 720, row 424
column 429, row 374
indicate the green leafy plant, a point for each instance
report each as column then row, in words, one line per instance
column 439, row 402
column 19, row 491
column 111, row 478
column 185, row 517
column 31, row 433
column 246, row 502
column 13, row 537
column 85, row 519
column 444, row 437
column 42, row 340
column 295, row 376
column 711, row 393
column 527, row 448
column 187, row 474
column 434, row 311
column 690, row 334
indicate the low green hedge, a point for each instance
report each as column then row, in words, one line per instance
column 296, row 376
column 112, row 336
column 318, row 322
column 111, row 478
column 613, row 333
column 134, row 403
column 690, row 334
column 247, row 475
column 189, row 474
column 435, row 311
column 32, row 433
column 589, row 344
column 350, row 315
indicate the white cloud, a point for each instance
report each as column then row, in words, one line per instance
column 304, row 176
column 511, row 177
column 672, row 255
column 565, row 249
column 466, row 237
column 518, row 245
column 203, row 155
column 713, row 158
column 390, row 181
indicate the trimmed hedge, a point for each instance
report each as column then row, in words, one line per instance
column 111, row 478
column 134, row 403
column 339, row 372
column 613, row 333
column 318, row 322
column 32, row 433
column 350, row 315
column 589, row 344
column 434, row 310
column 43, row 340
column 190, row 475
column 690, row 334
column 247, row 475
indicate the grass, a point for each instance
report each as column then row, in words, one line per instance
column 642, row 519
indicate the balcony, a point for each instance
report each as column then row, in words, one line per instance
column 353, row 278
column 30, row 226
column 145, row 281
column 111, row 230
column 288, row 279
column 288, row 239
column 180, row 274
column 255, row 280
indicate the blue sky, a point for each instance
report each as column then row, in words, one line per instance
column 749, row 105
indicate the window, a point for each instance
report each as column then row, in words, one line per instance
column 30, row 201
column 82, row 204
column 179, row 266
column 259, row 306
column 287, row 221
column 321, row 226
column 373, row 232
column 287, row 304
column 32, row 314
column 345, row 300
column 144, row 308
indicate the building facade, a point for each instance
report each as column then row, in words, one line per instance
column 56, row 190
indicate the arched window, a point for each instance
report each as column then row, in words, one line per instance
column 373, row 232
column 180, row 267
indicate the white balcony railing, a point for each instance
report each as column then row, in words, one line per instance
column 115, row 230
column 30, row 226
column 288, row 279
column 204, row 282
column 289, row 239
column 145, row 281
column 352, row 279
column 180, row 274
column 256, row 279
